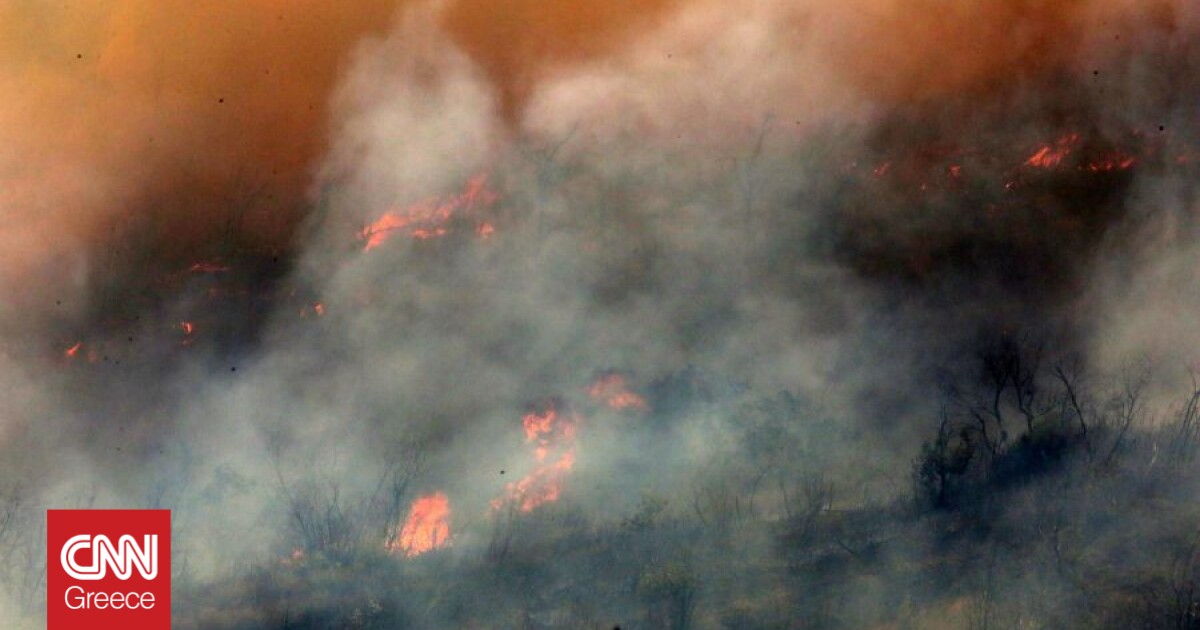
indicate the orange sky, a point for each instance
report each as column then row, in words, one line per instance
column 172, row 109
column 169, row 113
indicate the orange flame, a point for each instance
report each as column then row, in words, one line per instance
column 551, row 433
column 538, row 424
column 427, row 527
column 611, row 390
column 294, row 559
column 427, row 219
column 1049, row 156
column 1112, row 163
column 542, row 486
column 188, row 329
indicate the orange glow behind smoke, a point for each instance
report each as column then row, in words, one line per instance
column 429, row 218
column 427, row 527
column 611, row 390
column 170, row 112
column 905, row 51
column 553, row 436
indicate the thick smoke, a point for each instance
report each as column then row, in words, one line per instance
column 820, row 204
column 149, row 132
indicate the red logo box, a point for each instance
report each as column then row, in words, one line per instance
column 108, row 569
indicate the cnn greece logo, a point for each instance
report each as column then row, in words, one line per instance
column 122, row 557
column 108, row 569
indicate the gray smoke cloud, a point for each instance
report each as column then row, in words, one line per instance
column 803, row 204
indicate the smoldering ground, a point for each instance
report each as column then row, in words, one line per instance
column 787, row 227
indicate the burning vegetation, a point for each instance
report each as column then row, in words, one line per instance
column 431, row 218
column 551, row 433
column 865, row 315
column 427, row 527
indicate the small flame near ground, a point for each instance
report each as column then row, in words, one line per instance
column 1051, row 155
column 296, row 558
column 188, row 329
column 430, row 218
column 1115, row 162
column 81, row 351
column 1054, row 154
column 427, row 527
column 209, row 266
column 552, row 434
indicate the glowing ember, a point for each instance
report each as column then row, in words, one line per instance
column 611, row 390
column 296, row 558
column 1114, row 163
column 427, row 219
column 553, row 436
column 188, row 329
column 1050, row 156
column 422, row 234
column 427, row 527
column 208, row 266
column 73, row 350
